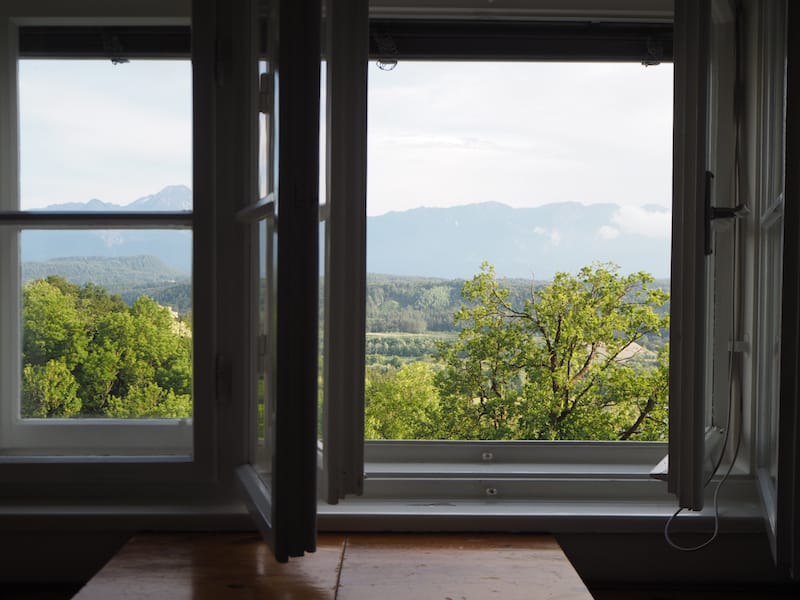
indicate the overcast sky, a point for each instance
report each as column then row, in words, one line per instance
column 91, row 129
column 523, row 134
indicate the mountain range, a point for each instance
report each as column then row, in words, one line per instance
column 172, row 246
column 431, row 242
column 520, row 242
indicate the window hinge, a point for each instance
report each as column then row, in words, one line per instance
column 223, row 379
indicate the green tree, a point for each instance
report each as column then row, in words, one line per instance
column 561, row 366
column 402, row 404
column 49, row 390
column 53, row 327
column 86, row 353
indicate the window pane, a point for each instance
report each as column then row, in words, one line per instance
column 106, row 324
column 118, row 136
column 518, row 250
column 264, row 418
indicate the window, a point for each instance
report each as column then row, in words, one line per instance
column 255, row 274
column 105, row 295
column 494, row 177
column 97, row 178
column 398, row 466
column 444, row 479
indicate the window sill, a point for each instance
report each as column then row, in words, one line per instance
column 740, row 512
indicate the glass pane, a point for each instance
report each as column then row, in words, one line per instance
column 106, row 324
column 265, row 407
column 321, row 334
column 101, row 136
column 518, row 251
column 264, row 138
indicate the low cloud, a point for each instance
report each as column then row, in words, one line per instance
column 651, row 221
column 606, row 232
column 551, row 234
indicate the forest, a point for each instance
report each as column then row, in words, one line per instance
column 86, row 353
column 584, row 356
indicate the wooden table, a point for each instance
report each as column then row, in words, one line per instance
column 345, row 567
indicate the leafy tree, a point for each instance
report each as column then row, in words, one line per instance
column 53, row 327
column 86, row 353
column 402, row 404
column 49, row 390
column 559, row 367
column 149, row 400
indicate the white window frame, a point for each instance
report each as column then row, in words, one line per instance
column 104, row 451
column 59, row 436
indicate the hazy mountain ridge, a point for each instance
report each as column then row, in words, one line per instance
column 429, row 242
column 521, row 242
column 170, row 198
column 172, row 246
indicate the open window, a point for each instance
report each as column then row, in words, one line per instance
column 463, row 51
column 276, row 87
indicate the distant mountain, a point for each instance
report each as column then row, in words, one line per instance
column 520, row 242
column 173, row 246
column 171, row 198
column 429, row 242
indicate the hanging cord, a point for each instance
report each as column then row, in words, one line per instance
column 720, row 483
column 736, row 316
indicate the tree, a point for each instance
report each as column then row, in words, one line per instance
column 563, row 365
column 49, row 390
column 86, row 353
column 402, row 404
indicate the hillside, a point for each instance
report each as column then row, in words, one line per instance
column 127, row 276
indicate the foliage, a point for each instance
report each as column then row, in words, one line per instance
column 556, row 368
column 564, row 363
column 400, row 304
column 401, row 404
column 87, row 354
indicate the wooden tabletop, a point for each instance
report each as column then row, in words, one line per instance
column 345, row 567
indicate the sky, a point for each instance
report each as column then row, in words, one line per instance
column 440, row 134
column 524, row 134
column 91, row 129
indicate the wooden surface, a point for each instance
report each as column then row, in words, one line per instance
column 351, row 567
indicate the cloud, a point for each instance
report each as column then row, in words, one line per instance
column 551, row 234
column 650, row 221
column 606, row 232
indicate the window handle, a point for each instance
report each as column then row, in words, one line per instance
column 713, row 213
